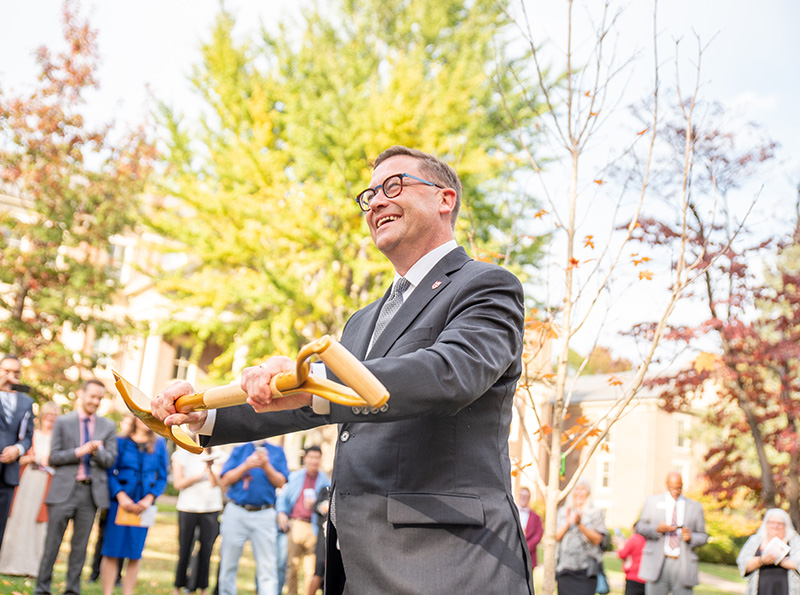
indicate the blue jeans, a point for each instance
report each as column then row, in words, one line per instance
column 236, row 527
column 282, row 556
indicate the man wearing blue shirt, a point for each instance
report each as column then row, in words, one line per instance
column 251, row 474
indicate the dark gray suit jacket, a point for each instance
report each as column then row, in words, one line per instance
column 19, row 431
column 423, row 490
column 66, row 438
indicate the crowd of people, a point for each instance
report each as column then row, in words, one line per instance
column 419, row 500
column 659, row 557
column 78, row 463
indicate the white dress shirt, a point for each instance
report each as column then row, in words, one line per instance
column 671, row 503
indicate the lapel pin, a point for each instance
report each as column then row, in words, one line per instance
column 435, row 285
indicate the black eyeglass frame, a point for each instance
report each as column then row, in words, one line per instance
column 364, row 198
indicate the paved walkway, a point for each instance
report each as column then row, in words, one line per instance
column 721, row 583
column 617, row 582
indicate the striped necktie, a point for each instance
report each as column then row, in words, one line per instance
column 390, row 307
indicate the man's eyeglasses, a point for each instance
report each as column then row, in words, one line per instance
column 392, row 187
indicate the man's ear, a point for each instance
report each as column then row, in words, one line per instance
column 447, row 200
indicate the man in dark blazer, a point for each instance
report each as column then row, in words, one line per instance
column 83, row 448
column 16, row 433
column 421, row 498
column 674, row 527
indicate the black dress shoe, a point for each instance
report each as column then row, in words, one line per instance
column 93, row 577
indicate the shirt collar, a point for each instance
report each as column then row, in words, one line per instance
column 673, row 500
column 82, row 415
column 423, row 266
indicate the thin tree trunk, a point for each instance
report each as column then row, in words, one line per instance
column 767, row 481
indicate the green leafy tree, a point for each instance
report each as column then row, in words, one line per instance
column 280, row 250
column 74, row 187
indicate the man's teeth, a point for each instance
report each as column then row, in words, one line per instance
column 386, row 220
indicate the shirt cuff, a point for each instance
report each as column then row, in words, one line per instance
column 21, row 450
column 208, row 428
column 319, row 405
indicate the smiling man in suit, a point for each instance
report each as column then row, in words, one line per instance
column 421, row 497
column 16, row 433
column 83, row 449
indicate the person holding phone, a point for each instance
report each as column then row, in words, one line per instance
column 251, row 475
column 297, row 518
column 674, row 527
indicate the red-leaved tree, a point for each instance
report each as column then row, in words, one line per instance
column 69, row 187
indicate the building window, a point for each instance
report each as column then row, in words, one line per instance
column 105, row 348
column 180, row 369
column 116, row 259
column 605, row 474
column 682, row 439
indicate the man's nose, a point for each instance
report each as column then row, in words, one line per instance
column 379, row 200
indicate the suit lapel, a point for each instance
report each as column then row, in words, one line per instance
column 3, row 424
column 363, row 333
column 75, row 425
column 431, row 285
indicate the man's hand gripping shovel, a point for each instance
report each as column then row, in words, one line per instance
column 362, row 389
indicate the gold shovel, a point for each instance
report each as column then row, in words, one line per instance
column 362, row 389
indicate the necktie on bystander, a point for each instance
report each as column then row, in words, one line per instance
column 674, row 539
column 85, row 460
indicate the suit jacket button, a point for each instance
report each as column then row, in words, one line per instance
column 356, row 410
column 344, row 436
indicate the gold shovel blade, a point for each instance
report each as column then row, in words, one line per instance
column 139, row 404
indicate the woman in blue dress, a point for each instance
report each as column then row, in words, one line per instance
column 138, row 477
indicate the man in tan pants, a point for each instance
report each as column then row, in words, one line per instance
column 296, row 517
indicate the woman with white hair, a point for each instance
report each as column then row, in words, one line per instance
column 580, row 533
column 770, row 568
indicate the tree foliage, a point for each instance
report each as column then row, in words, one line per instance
column 750, row 326
column 280, row 250
column 75, row 188
column 596, row 262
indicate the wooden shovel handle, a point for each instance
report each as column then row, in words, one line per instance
column 364, row 388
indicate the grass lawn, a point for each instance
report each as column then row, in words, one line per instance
column 616, row 577
column 157, row 570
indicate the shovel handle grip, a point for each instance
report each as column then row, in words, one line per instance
column 354, row 374
column 213, row 398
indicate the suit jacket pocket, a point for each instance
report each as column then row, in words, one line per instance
column 413, row 339
column 434, row 509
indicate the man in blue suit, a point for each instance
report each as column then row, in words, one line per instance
column 16, row 433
